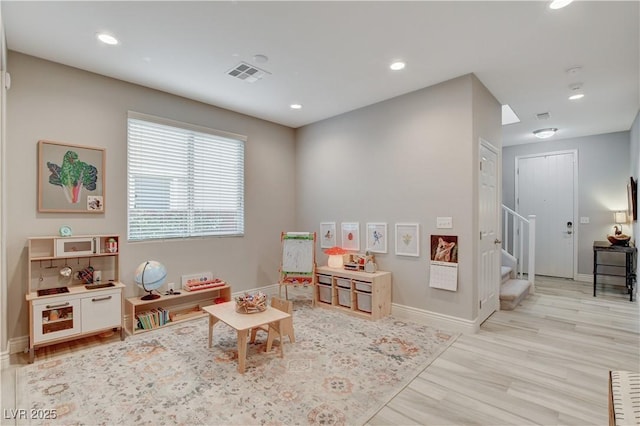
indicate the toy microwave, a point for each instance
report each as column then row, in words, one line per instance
column 81, row 246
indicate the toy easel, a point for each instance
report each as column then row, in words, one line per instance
column 298, row 265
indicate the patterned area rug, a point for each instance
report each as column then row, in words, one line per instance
column 340, row 371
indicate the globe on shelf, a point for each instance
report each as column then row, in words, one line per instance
column 149, row 276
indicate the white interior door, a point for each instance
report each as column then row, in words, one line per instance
column 545, row 187
column 490, row 248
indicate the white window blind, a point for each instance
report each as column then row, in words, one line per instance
column 183, row 180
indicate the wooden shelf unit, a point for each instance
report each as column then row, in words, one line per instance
column 363, row 294
column 187, row 304
column 59, row 317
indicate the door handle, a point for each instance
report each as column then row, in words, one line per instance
column 59, row 305
column 569, row 227
column 497, row 241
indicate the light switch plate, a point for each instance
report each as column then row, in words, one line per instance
column 444, row 222
column 584, row 219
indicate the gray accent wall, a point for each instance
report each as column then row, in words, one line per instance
column 603, row 173
column 55, row 102
column 408, row 159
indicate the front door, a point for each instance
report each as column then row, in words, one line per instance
column 545, row 188
column 490, row 248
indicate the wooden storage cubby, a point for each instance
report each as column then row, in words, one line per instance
column 182, row 307
column 363, row 294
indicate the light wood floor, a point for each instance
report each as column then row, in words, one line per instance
column 544, row 363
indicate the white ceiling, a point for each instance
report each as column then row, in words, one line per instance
column 333, row 57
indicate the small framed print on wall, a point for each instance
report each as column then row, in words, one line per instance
column 350, row 235
column 327, row 234
column 70, row 178
column 377, row 237
column 408, row 239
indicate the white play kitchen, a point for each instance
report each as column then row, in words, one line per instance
column 65, row 299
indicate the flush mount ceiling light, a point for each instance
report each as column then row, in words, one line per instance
column 397, row 66
column 559, row 4
column 107, row 39
column 295, row 106
column 576, row 92
column 545, row 133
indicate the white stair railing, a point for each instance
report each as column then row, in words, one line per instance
column 518, row 227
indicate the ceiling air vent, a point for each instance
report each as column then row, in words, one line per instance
column 543, row 116
column 247, row 72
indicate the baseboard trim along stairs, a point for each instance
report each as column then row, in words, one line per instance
column 512, row 290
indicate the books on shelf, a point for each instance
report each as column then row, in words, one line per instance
column 158, row 317
column 152, row 319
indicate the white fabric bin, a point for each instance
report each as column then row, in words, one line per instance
column 344, row 297
column 363, row 286
column 324, row 293
column 324, row 279
column 363, row 301
column 343, row 282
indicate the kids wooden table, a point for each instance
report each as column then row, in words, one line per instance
column 242, row 323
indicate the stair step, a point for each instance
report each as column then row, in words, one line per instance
column 512, row 292
column 505, row 273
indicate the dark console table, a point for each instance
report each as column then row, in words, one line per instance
column 629, row 265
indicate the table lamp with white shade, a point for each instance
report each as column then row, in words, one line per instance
column 620, row 217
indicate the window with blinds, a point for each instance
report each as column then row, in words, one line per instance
column 183, row 180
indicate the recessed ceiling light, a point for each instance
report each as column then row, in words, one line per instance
column 545, row 133
column 295, row 106
column 574, row 71
column 107, row 39
column 559, row 4
column 261, row 59
column 397, row 66
column 576, row 92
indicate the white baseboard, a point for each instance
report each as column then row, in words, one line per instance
column 587, row 278
column 4, row 360
column 602, row 279
column 18, row 345
column 446, row 322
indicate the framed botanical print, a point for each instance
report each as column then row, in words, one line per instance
column 377, row 237
column 408, row 239
column 70, row 178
